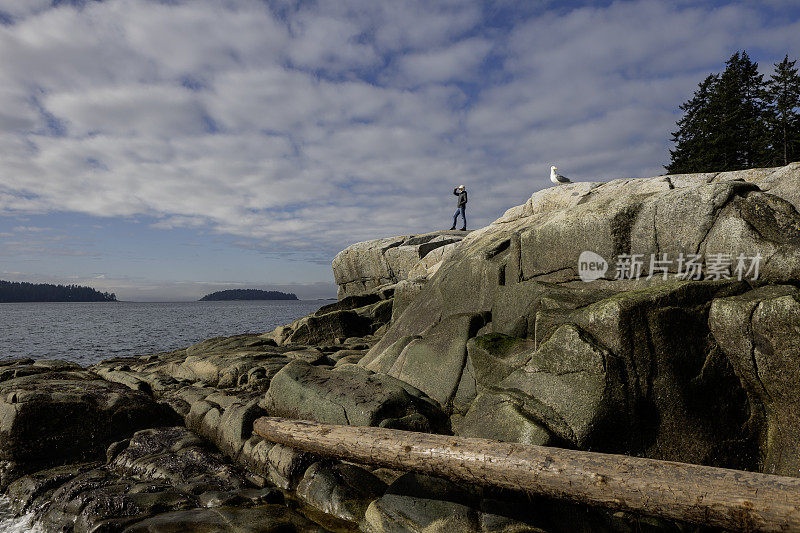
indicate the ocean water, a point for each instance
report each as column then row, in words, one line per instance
column 11, row 524
column 89, row 332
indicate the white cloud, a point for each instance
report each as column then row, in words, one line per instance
column 308, row 126
column 132, row 110
column 459, row 62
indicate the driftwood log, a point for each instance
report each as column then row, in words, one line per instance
column 731, row 499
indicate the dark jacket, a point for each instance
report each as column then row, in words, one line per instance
column 462, row 197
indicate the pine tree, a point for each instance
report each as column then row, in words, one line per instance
column 744, row 138
column 724, row 126
column 695, row 131
column 783, row 92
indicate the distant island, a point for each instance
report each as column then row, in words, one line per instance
column 247, row 294
column 13, row 291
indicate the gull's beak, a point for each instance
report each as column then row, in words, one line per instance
column 555, row 168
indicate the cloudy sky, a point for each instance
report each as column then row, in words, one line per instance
column 164, row 149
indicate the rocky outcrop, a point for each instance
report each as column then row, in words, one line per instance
column 489, row 334
column 626, row 365
column 353, row 316
column 365, row 266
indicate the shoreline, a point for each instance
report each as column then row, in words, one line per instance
column 490, row 334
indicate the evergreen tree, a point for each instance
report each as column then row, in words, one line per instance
column 696, row 131
column 783, row 92
column 724, row 126
column 744, row 139
column 43, row 292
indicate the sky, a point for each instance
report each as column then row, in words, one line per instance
column 165, row 149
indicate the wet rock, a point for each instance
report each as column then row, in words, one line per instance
column 56, row 417
column 286, row 466
column 261, row 519
column 422, row 503
column 178, row 456
column 339, row 489
column 255, row 455
column 157, row 472
column 215, row 498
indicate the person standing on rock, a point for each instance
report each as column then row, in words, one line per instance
column 461, row 192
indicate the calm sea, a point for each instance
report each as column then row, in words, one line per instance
column 89, row 332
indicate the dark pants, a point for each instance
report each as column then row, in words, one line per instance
column 460, row 211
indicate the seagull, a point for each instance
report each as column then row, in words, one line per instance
column 557, row 178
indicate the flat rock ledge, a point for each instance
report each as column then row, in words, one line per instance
column 488, row 334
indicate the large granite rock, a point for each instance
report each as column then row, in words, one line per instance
column 54, row 417
column 760, row 332
column 648, row 339
column 488, row 334
column 353, row 317
column 364, row 266
column 350, row 395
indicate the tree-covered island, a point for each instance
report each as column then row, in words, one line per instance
column 247, row 294
column 15, row 291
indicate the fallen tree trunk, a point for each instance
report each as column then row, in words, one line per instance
column 731, row 499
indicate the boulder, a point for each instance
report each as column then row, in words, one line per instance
column 339, row 489
column 365, row 266
column 353, row 317
column 494, row 356
column 329, row 327
column 434, row 362
column 349, row 303
column 57, row 417
column 175, row 455
column 568, row 383
column 498, row 415
column 415, row 502
column 760, row 333
column 350, row 395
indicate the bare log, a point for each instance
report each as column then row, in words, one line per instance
column 731, row 499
